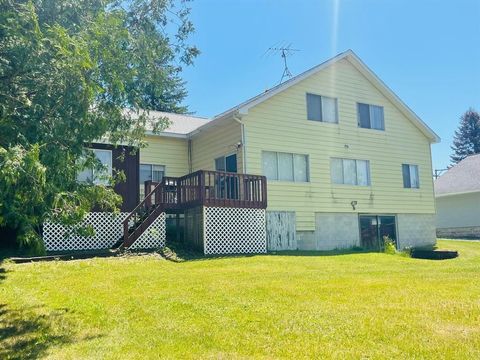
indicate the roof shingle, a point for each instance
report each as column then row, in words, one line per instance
column 461, row 178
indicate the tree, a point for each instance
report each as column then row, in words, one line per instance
column 466, row 140
column 69, row 69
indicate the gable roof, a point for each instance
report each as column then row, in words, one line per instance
column 464, row 177
column 243, row 108
column 187, row 125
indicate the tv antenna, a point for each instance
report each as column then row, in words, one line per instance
column 284, row 52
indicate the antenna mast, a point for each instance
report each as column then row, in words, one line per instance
column 284, row 52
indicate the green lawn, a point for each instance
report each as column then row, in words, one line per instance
column 272, row 306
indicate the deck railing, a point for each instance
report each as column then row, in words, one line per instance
column 209, row 188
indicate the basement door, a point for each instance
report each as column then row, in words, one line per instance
column 374, row 227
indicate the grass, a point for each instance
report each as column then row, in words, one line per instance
column 358, row 305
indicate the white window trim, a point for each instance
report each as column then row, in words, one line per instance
column 110, row 167
column 293, row 167
column 369, row 174
column 397, row 241
column 224, row 160
column 151, row 170
column 95, row 180
column 321, row 100
column 369, row 114
column 141, row 185
column 409, row 172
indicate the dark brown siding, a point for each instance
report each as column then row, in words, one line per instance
column 124, row 158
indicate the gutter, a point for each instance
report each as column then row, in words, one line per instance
column 209, row 124
column 166, row 134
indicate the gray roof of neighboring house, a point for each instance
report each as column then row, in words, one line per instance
column 464, row 177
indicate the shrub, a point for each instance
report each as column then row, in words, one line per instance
column 389, row 245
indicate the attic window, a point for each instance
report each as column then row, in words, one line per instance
column 370, row 116
column 322, row 108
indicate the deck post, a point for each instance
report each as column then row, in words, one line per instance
column 177, row 226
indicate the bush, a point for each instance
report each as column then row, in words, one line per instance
column 389, row 246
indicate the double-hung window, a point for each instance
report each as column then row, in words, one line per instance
column 370, row 116
column 322, row 108
column 350, row 172
column 151, row 172
column 410, row 176
column 99, row 176
column 285, row 166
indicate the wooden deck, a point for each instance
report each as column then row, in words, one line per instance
column 208, row 188
column 201, row 188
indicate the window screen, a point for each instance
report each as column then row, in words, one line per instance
column 220, row 163
column 322, row 108
column 350, row 172
column 285, row 166
column 337, row 171
column 270, row 168
column 301, row 168
column 376, row 117
column 363, row 176
column 329, row 110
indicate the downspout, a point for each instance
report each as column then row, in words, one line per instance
column 244, row 142
column 190, row 167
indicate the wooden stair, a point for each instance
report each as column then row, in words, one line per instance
column 143, row 215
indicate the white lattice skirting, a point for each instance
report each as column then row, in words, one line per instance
column 234, row 231
column 108, row 230
column 154, row 236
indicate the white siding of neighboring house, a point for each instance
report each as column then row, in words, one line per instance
column 456, row 211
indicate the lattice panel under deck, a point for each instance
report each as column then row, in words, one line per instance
column 234, row 231
column 108, row 230
column 154, row 236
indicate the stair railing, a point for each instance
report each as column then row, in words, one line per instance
column 142, row 209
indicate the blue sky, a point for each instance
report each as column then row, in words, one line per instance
column 426, row 51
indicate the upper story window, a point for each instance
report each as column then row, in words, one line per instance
column 98, row 176
column 322, row 108
column 350, row 172
column 285, row 166
column 370, row 116
column 410, row 176
column 151, row 172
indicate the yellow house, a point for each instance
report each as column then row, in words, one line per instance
column 346, row 162
column 336, row 146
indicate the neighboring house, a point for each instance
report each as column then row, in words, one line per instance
column 346, row 162
column 457, row 194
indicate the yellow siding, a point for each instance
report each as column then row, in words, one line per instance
column 171, row 152
column 280, row 124
column 218, row 140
